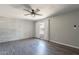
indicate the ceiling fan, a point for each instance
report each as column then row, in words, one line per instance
column 28, row 8
column 33, row 12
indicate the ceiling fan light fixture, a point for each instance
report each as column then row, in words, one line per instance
column 32, row 12
column 33, row 15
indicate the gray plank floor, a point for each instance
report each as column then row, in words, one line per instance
column 32, row 47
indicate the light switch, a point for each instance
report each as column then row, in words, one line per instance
column 75, row 26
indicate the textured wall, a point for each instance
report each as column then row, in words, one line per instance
column 62, row 29
column 14, row 29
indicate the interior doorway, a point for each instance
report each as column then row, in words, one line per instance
column 42, row 29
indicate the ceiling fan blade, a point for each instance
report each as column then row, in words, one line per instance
column 27, row 10
column 27, row 14
column 38, row 14
column 37, row 10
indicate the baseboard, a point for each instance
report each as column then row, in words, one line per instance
column 75, row 47
column 17, row 39
column 36, row 38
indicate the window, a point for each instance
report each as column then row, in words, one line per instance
column 42, row 28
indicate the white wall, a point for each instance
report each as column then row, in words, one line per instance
column 62, row 29
column 15, row 29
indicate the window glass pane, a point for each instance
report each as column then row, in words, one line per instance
column 42, row 27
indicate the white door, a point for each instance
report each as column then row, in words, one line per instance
column 42, row 29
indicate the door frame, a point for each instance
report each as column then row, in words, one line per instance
column 48, row 34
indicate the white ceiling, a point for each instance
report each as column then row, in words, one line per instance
column 16, row 11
